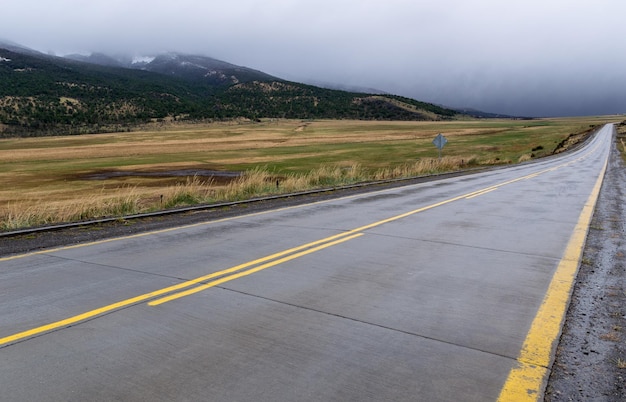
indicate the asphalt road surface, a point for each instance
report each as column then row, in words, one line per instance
column 446, row 290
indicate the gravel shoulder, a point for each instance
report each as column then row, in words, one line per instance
column 590, row 362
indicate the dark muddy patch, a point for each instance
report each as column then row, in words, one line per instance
column 217, row 176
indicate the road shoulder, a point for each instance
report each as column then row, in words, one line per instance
column 590, row 361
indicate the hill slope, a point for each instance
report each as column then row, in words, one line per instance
column 188, row 67
column 43, row 95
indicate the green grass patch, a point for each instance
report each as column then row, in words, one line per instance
column 45, row 179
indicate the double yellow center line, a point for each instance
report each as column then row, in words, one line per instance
column 199, row 284
column 260, row 264
column 265, row 262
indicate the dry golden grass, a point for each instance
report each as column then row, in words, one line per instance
column 253, row 183
column 42, row 212
column 45, row 180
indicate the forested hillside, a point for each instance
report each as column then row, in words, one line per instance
column 46, row 95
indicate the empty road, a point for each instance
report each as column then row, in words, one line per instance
column 448, row 290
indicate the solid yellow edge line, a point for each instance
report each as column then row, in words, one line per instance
column 248, row 272
column 526, row 381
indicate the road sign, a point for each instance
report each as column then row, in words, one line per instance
column 439, row 142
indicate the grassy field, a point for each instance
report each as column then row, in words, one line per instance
column 621, row 139
column 55, row 179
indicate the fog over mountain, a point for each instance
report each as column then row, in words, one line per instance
column 531, row 58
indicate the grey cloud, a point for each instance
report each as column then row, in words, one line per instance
column 531, row 57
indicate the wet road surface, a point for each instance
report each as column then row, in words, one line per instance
column 591, row 355
column 427, row 292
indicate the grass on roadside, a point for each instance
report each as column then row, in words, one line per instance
column 49, row 180
column 253, row 183
column 621, row 138
column 42, row 213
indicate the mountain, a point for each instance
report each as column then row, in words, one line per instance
column 200, row 68
column 189, row 67
column 486, row 115
column 16, row 47
column 344, row 87
column 42, row 94
column 97, row 58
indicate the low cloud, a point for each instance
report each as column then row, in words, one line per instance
column 533, row 58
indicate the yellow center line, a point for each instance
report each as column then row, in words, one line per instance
column 296, row 253
column 481, row 193
column 250, row 271
column 348, row 233
column 535, row 175
column 157, row 293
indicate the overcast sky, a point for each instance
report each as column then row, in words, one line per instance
column 530, row 57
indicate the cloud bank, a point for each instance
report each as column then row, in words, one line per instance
column 531, row 58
